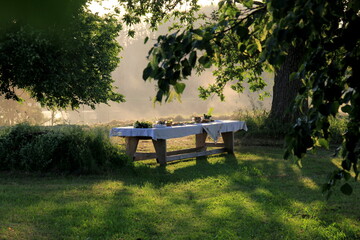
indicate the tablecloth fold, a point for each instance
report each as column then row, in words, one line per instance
column 213, row 130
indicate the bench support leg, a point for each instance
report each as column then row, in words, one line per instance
column 200, row 141
column 228, row 138
column 131, row 146
column 160, row 149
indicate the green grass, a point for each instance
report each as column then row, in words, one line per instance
column 254, row 195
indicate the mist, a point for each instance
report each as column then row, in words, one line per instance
column 139, row 94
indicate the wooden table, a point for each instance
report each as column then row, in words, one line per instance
column 159, row 136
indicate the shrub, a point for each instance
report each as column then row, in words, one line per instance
column 337, row 128
column 71, row 149
column 261, row 127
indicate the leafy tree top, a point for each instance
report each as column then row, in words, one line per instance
column 245, row 37
column 61, row 66
column 39, row 13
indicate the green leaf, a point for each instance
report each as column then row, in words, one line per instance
column 242, row 48
column 346, row 189
column 230, row 11
column 176, row 75
column 154, row 62
column 179, row 88
column 131, row 33
column 258, row 44
column 248, row 3
column 346, row 164
column 147, row 72
column 221, row 4
column 186, row 70
column 346, row 109
column 323, row 143
column 159, row 96
column 243, row 32
column 146, row 39
column 192, row 58
column 205, row 61
column 158, row 73
column 335, row 108
column 347, row 176
column 293, row 76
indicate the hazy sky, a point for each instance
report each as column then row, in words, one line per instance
column 138, row 94
column 107, row 5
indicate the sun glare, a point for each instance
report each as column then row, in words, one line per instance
column 107, row 6
column 104, row 7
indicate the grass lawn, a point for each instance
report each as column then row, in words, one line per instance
column 252, row 195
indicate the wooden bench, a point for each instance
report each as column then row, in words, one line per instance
column 163, row 156
column 159, row 137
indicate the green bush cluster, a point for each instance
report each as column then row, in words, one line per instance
column 337, row 128
column 261, row 127
column 69, row 149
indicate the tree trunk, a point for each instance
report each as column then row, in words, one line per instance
column 285, row 90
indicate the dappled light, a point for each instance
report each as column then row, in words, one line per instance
column 247, row 196
column 179, row 119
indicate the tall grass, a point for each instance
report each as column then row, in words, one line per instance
column 84, row 149
column 264, row 130
column 70, row 149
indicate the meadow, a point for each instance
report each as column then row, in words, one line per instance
column 254, row 194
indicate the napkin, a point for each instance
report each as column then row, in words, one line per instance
column 213, row 130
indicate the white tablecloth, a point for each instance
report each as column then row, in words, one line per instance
column 213, row 129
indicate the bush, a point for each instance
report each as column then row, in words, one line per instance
column 262, row 128
column 72, row 149
column 337, row 128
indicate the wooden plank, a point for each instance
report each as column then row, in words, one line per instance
column 188, row 150
column 131, row 146
column 160, row 148
column 228, row 138
column 144, row 156
column 215, row 144
column 195, row 154
column 200, row 141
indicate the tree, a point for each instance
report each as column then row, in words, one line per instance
column 38, row 13
column 61, row 64
column 232, row 41
column 246, row 37
column 62, row 54
column 284, row 90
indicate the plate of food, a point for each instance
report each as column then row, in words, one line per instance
column 142, row 124
column 159, row 126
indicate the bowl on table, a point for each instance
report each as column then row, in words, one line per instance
column 197, row 119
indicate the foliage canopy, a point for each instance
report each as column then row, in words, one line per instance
column 60, row 149
column 245, row 37
column 63, row 64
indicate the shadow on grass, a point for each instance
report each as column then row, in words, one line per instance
column 252, row 195
column 248, row 196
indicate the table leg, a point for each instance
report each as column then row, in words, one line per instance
column 160, row 149
column 200, row 141
column 228, row 138
column 131, row 146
